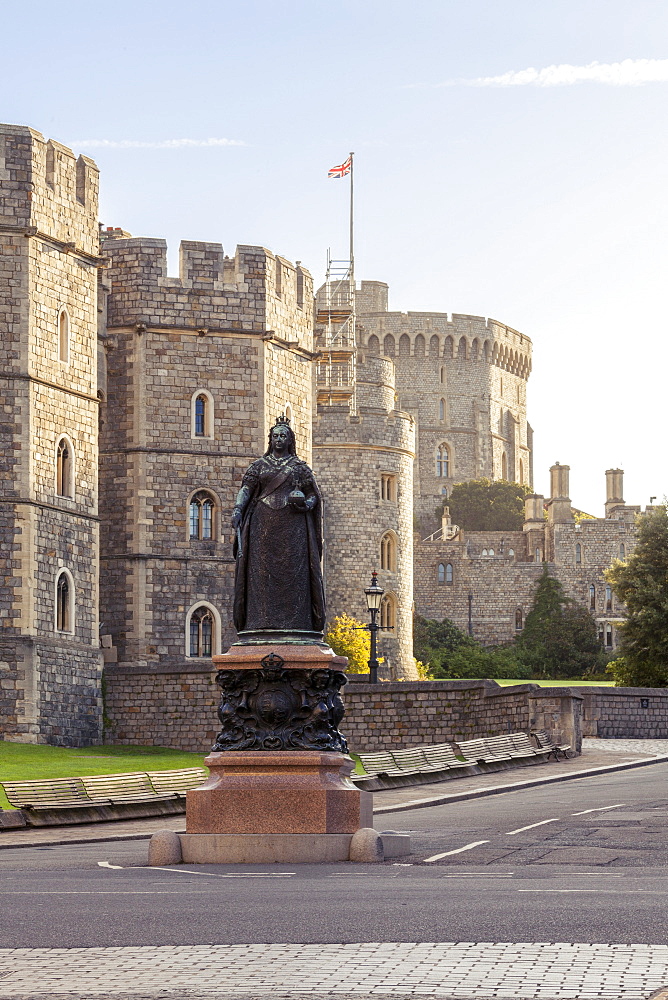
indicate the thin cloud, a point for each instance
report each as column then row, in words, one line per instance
column 628, row 73
column 160, row 144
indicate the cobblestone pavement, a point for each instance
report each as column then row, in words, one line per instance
column 643, row 747
column 459, row 971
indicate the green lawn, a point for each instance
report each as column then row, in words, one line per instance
column 30, row 762
column 561, row 684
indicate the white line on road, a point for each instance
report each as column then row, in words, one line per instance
column 599, row 810
column 185, row 871
column 105, row 864
column 459, row 850
column 511, row 833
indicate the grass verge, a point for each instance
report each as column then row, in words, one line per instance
column 32, row 762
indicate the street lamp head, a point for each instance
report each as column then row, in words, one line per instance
column 373, row 593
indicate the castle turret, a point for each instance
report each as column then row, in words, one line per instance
column 463, row 379
column 364, row 464
column 50, row 647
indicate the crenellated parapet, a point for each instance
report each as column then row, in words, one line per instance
column 253, row 292
column 455, row 337
column 47, row 191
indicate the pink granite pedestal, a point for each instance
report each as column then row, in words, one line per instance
column 275, row 805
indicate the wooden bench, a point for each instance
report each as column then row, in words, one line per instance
column 410, row 761
column 379, row 763
column 523, row 744
column 55, row 793
column 102, row 789
column 547, row 744
column 442, row 755
column 177, row 782
column 479, row 751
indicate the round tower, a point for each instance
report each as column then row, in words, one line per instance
column 364, row 464
column 463, row 378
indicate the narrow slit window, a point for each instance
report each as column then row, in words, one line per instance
column 63, row 335
column 64, row 477
column 592, row 597
column 608, row 598
column 519, row 620
column 448, row 572
column 63, row 604
column 578, row 553
column 441, row 573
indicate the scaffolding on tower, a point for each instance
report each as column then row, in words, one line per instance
column 335, row 316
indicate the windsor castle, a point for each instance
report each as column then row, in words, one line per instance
column 132, row 402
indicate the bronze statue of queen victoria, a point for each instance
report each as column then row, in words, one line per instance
column 278, row 591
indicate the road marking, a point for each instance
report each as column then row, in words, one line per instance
column 599, row 810
column 105, row 864
column 186, row 871
column 660, row 892
column 478, row 875
column 459, row 850
column 531, row 826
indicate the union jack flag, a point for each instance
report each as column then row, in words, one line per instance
column 342, row 170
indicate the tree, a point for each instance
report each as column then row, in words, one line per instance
column 348, row 637
column 642, row 584
column 559, row 637
column 431, row 638
column 486, row 505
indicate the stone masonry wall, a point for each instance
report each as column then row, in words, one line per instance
column 464, row 380
column 625, row 713
column 48, row 263
column 238, row 330
column 378, row 441
column 177, row 708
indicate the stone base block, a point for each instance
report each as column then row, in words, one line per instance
column 277, row 792
column 281, row 848
column 264, row 848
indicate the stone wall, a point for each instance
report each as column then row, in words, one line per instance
column 176, row 707
column 48, row 267
column 463, row 378
column 625, row 713
column 238, row 330
column 377, row 441
column 500, row 569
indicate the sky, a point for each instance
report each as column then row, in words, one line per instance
column 511, row 161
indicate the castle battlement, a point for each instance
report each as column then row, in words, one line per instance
column 47, row 190
column 255, row 291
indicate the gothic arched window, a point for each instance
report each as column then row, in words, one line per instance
column 443, row 462
column 64, row 601
column 202, row 414
column 578, row 552
column 388, row 552
column 388, row 611
column 201, row 515
column 448, row 572
column 201, row 632
column 519, row 620
column 441, row 410
column 64, row 469
column 592, row 597
column 441, row 573
column 608, row 597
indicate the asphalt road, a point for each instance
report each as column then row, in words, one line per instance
column 582, row 861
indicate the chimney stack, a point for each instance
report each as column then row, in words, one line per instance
column 614, row 490
column 559, row 505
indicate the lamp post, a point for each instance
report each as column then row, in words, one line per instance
column 374, row 595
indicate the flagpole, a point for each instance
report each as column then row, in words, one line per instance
column 352, row 256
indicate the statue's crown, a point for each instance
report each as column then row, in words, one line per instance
column 282, row 420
